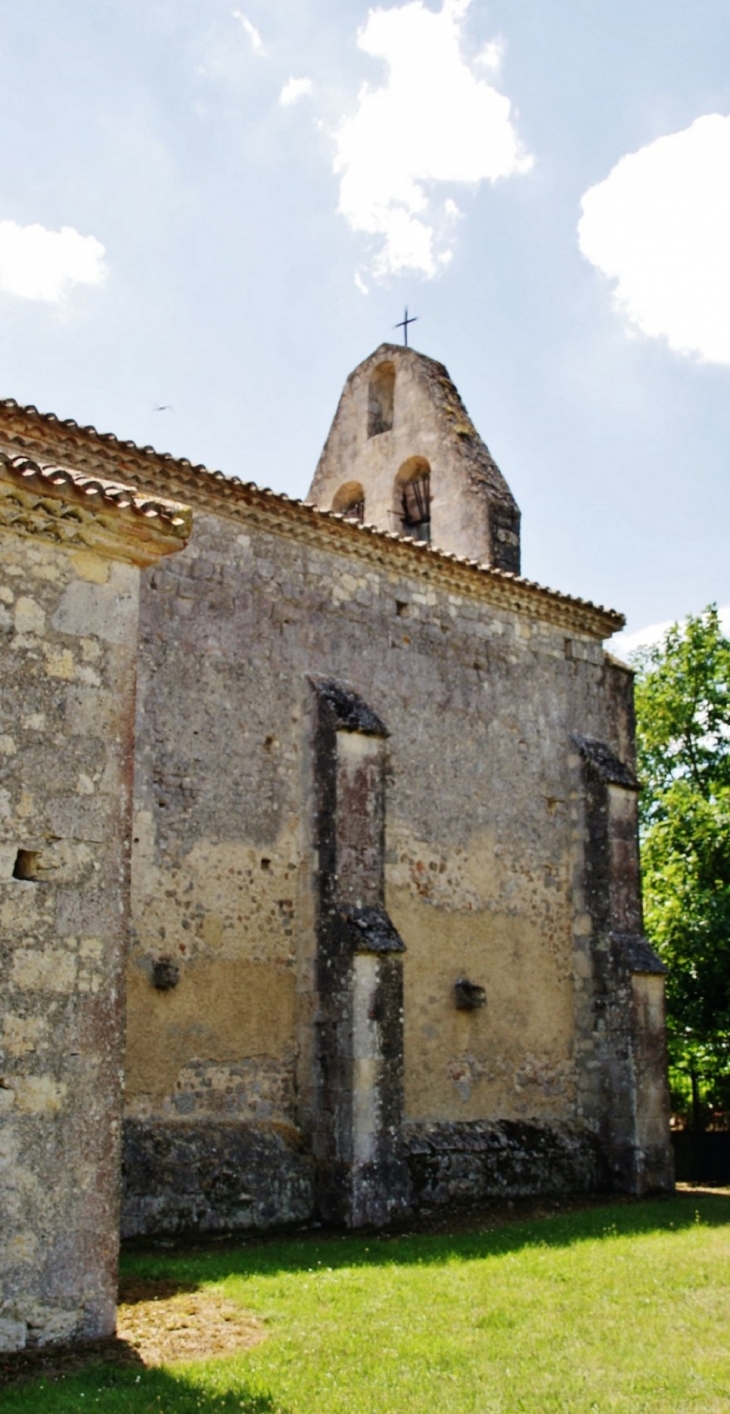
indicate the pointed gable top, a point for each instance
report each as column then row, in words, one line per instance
column 404, row 455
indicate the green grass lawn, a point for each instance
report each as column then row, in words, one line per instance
column 618, row 1308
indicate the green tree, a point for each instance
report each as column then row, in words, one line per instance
column 683, row 736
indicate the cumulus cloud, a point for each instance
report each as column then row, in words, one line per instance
column 659, row 225
column 257, row 43
column 294, row 89
column 433, row 120
column 491, row 55
column 43, row 265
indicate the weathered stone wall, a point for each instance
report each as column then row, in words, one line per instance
column 620, row 1036
column 483, row 843
column 215, row 1176
column 462, row 1165
column 358, row 1059
column 68, row 649
column 68, row 653
column 532, row 1007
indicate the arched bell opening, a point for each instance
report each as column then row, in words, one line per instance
column 349, row 501
column 381, row 397
column 412, row 508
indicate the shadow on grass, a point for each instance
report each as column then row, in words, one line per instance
column 125, row 1389
column 111, row 1382
column 273, row 1256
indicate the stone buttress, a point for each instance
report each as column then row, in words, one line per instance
column 361, row 1173
column 620, row 996
column 71, row 548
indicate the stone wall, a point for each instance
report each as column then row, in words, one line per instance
column 620, row 1041
column 68, row 653
column 532, row 1007
column 456, row 1165
column 483, row 843
column 216, row 1176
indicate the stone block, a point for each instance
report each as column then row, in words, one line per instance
column 13, row 1335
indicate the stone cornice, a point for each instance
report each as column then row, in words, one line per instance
column 67, row 508
column 26, row 431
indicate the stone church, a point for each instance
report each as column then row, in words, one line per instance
column 340, row 810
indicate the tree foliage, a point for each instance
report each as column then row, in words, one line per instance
column 683, row 737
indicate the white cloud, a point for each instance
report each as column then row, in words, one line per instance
column 43, row 265
column 625, row 643
column 659, row 225
column 294, row 89
column 432, row 121
column 257, row 43
column 491, row 55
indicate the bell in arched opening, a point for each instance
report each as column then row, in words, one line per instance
column 413, row 499
column 349, row 501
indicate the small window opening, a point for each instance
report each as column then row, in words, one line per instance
column 349, row 501
column 413, row 498
column 26, row 865
column 381, row 393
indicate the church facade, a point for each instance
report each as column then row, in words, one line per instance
column 386, row 945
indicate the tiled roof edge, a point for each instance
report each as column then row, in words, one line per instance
column 215, row 486
column 114, row 494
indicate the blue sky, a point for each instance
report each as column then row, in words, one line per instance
column 224, row 207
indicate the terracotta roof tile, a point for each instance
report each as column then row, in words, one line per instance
column 50, row 479
column 27, row 426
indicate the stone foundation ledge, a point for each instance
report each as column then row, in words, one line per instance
column 213, row 1176
column 463, row 1163
column 29, row 1325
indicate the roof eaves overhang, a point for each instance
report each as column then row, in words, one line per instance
column 71, row 509
column 43, row 436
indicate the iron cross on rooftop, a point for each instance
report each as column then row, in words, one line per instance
column 405, row 321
